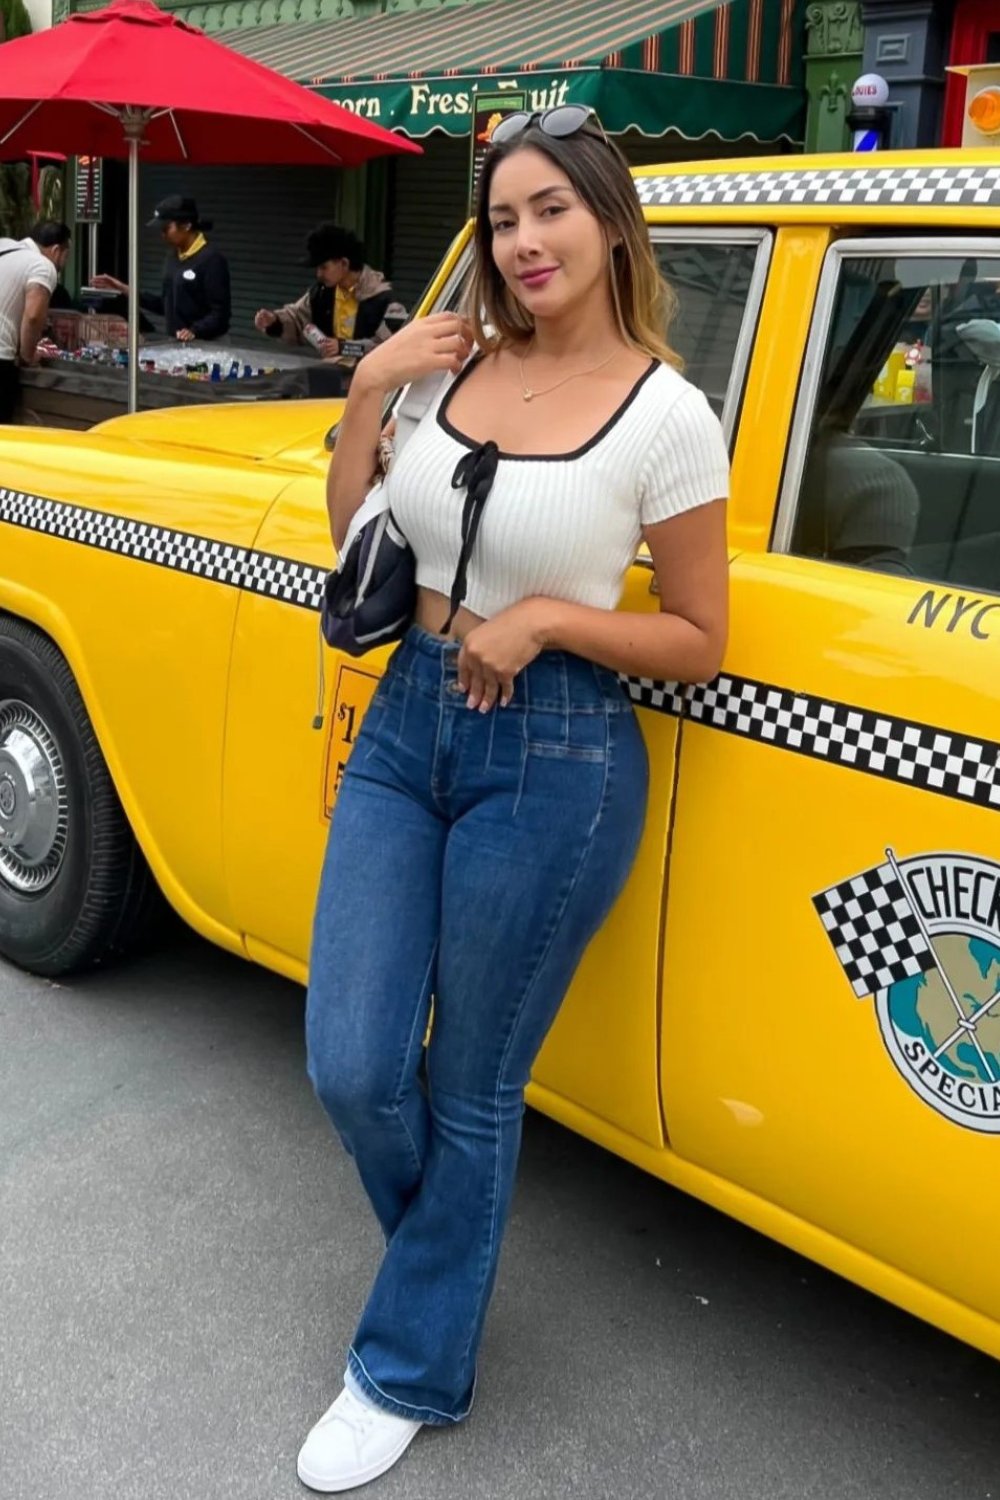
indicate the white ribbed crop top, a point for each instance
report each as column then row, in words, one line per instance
column 568, row 526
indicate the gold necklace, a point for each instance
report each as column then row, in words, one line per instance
column 529, row 395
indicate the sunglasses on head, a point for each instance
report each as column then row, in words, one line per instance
column 561, row 121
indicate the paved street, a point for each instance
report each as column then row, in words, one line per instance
column 183, row 1250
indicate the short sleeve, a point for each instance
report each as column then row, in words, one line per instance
column 687, row 464
column 42, row 273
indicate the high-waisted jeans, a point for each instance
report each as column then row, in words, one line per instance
column 471, row 859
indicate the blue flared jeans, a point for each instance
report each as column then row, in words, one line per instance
column 471, row 859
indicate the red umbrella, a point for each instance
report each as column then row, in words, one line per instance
column 189, row 99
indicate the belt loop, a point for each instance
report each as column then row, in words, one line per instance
column 567, row 707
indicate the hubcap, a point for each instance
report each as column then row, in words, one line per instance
column 33, row 801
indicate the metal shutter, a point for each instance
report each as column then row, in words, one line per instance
column 427, row 205
column 261, row 216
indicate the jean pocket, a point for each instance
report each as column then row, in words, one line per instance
column 567, row 736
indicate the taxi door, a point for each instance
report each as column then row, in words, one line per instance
column 831, row 1003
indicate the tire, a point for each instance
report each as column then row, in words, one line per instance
column 74, row 887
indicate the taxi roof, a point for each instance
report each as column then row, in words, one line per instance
column 939, row 188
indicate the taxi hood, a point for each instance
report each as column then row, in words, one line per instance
column 289, row 433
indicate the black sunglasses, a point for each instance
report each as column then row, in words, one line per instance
column 561, row 121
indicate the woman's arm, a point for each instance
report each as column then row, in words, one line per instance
column 354, row 456
column 440, row 342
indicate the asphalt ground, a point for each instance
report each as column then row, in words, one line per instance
column 184, row 1250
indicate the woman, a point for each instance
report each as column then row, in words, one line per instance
column 493, row 803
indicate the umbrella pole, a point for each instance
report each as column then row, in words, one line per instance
column 133, row 274
column 134, row 122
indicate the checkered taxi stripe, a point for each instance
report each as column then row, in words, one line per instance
column 920, row 755
column 882, row 187
column 182, row 551
column 902, row 750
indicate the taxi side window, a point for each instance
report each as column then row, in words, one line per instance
column 718, row 282
column 902, row 463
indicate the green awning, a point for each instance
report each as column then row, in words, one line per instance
column 696, row 67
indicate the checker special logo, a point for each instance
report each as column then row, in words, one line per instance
column 922, row 937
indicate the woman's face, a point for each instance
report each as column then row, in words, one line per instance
column 547, row 245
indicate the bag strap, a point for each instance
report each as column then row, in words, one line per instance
column 374, row 503
column 415, row 402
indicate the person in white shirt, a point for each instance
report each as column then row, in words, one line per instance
column 29, row 271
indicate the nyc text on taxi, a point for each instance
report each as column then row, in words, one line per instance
column 794, row 1010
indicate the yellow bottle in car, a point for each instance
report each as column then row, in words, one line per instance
column 885, row 386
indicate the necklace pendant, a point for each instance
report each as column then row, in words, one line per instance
column 528, row 395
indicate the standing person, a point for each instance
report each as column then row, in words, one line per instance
column 29, row 272
column 348, row 303
column 195, row 301
column 493, row 803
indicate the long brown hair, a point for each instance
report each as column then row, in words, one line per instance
column 644, row 303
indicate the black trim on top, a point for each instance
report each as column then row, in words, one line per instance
column 539, row 458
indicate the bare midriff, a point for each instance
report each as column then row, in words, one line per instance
column 432, row 611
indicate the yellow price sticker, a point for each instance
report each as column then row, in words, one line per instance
column 355, row 690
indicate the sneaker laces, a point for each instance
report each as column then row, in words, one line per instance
column 357, row 1416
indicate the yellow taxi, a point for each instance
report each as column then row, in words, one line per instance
column 794, row 1009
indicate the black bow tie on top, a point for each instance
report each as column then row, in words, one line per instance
column 474, row 473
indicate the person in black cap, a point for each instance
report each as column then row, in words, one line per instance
column 195, row 301
column 352, row 306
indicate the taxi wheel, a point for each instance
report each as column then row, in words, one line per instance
column 74, row 886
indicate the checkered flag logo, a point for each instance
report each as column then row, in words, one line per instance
column 875, row 932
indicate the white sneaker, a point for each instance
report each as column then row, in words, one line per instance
column 353, row 1443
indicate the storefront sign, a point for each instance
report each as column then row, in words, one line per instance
column 625, row 99
column 419, row 106
column 89, row 190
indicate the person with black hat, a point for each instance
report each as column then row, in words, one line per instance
column 347, row 311
column 195, row 301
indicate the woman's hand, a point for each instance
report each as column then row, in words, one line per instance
column 493, row 653
column 109, row 283
column 441, row 342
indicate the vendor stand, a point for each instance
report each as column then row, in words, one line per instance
column 82, row 377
